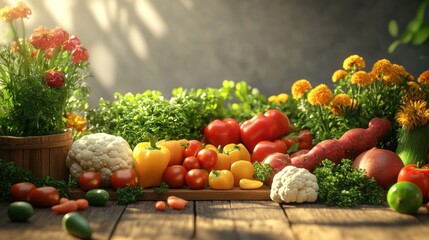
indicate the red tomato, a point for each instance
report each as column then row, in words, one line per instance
column 192, row 148
column 207, row 158
column 89, row 180
column 21, row 191
column 419, row 176
column 122, row 178
column 264, row 148
column 222, row 132
column 174, row 176
column 44, row 197
column 191, row 163
column 196, row 178
column 291, row 142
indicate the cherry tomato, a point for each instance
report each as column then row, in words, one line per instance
column 207, row 158
column 44, row 197
column 122, row 178
column 191, row 163
column 89, row 180
column 174, row 176
column 192, row 148
column 21, row 191
column 196, row 178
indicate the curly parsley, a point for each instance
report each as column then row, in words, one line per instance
column 345, row 186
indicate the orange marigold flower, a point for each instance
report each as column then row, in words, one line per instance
column 400, row 71
column 414, row 93
column 299, row 87
column 339, row 103
column 413, row 114
column 320, row 95
column 42, row 38
column 382, row 67
column 424, row 78
column 9, row 13
column 361, row 78
column 339, row 74
column 76, row 121
column 354, row 62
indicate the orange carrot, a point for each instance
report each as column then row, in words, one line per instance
column 63, row 200
column 66, row 207
column 82, row 204
column 160, row 206
column 176, row 203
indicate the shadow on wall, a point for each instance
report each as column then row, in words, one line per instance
column 160, row 45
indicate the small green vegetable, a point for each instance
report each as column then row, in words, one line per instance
column 161, row 188
column 128, row 194
column 261, row 171
column 77, row 225
column 20, row 211
column 97, row 197
column 405, row 197
column 345, row 186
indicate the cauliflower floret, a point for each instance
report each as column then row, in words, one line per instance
column 294, row 184
column 99, row 152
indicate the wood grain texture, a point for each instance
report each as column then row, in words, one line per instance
column 205, row 194
column 141, row 221
column 46, row 224
column 241, row 220
column 313, row 221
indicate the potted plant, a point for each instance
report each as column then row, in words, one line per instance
column 41, row 88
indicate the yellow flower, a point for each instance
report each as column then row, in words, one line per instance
column 282, row 97
column 414, row 93
column 273, row 98
column 413, row 114
column 299, row 87
column 382, row 67
column 424, row 78
column 353, row 62
column 320, row 95
column 400, row 71
column 361, row 78
column 339, row 103
column 339, row 74
column 76, row 121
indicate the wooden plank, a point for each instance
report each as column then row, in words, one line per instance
column 314, row 221
column 46, row 224
column 241, row 220
column 140, row 220
column 205, row 194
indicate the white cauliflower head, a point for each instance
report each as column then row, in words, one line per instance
column 294, row 184
column 99, row 152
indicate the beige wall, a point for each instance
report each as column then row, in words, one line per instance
column 163, row 44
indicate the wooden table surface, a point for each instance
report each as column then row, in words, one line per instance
column 226, row 220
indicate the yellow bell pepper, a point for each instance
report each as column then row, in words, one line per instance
column 237, row 152
column 221, row 180
column 150, row 162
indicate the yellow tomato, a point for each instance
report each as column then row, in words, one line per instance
column 250, row 183
column 221, row 180
column 211, row 146
column 241, row 169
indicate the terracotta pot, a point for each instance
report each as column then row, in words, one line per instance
column 43, row 155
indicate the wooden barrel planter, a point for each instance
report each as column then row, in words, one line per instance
column 43, row 155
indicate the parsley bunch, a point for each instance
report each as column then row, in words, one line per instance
column 345, row 186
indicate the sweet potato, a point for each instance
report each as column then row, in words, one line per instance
column 355, row 141
column 379, row 127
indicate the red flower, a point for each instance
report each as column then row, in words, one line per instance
column 54, row 78
column 42, row 38
column 80, row 54
column 72, row 43
column 60, row 36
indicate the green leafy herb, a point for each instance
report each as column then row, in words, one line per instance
column 161, row 188
column 129, row 194
column 261, row 171
column 345, row 186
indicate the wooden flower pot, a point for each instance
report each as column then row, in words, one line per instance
column 43, row 155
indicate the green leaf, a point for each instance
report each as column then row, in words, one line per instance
column 393, row 46
column 406, row 37
column 421, row 35
column 421, row 10
column 393, row 28
column 414, row 25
